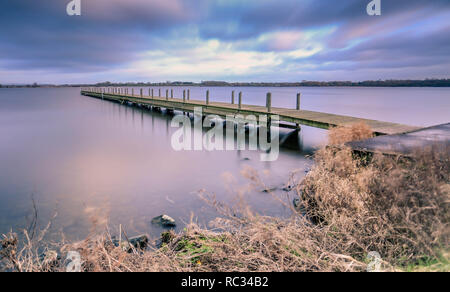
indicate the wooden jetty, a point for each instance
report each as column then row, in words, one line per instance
column 288, row 118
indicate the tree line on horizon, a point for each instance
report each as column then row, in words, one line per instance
column 368, row 83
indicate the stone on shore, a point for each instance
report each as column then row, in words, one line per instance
column 164, row 220
column 138, row 242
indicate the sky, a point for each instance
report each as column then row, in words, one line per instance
column 229, row 40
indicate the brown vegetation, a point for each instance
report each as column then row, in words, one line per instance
column 396, row 207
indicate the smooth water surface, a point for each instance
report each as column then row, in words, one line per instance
column 89, row 159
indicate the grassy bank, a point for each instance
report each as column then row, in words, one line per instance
column 347, row 207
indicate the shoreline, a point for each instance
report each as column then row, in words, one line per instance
column 347, row 208
column 426, row 83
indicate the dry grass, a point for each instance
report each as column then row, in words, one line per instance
column 397, row 207
column 394, row 206
column 340, row 135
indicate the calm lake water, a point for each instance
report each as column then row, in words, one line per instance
column 84, row 157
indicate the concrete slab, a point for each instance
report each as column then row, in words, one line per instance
column 405, row 144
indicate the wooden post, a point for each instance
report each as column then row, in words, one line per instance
column 269, row 102
column 269, row 117
column 152, row 94
column 171, row 93
column 189, row 94
column 142, row 92
column 240, row 100
column 232, row 97
column 132, row 91
column 159, row 92
column 298, row 107
column 167, row 94
column 207, row 97
column 184, row 95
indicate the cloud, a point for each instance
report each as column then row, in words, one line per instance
column 261, row 40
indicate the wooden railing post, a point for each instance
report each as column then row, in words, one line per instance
column 152, row 94
column 207, row 97
column 189, row 94
column 171, row 93
column 184, row 95
column 167, row 94
column 240, row 100
column 298, row 107
column 269, row 102
column 132, row 91
column 142, row 92
column 232, row 97
column 159, row 92
column 269, row 117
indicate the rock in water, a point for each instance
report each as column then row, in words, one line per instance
column 164, row 220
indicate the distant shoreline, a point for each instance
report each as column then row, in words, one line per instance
column 370, row 83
